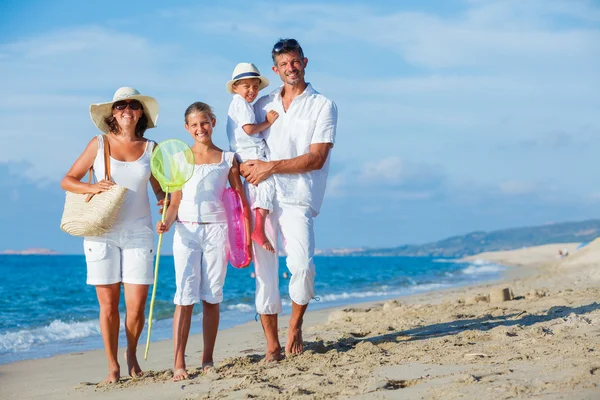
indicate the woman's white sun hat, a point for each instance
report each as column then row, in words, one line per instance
column 246, row 71
column 99, row 112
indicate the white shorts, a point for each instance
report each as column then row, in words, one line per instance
column 121, row 255
column 200, row 256
column 296, row 225
column 264, row 192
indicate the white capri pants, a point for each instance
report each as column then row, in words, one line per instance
column 200, row 257
column 123, row 254
column 296, row 225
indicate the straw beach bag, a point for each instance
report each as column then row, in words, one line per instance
column 93, row 214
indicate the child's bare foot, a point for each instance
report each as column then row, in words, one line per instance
column 180, row 374
column 207, row 366
column 135, row 371
column 261, row 239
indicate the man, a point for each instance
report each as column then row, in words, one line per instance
column 298, row 146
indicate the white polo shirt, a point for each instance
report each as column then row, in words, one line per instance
column 311, row 118
column 248, row 147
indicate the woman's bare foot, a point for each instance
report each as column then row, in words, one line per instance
column 261, row 239
column 135, row 371
column 180, row 374
column 113, row 377
column 294, row 344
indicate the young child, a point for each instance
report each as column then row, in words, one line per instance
column 200, row 241
column 245, row 139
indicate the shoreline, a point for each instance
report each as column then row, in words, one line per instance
column 419, row 329
column 233, row 316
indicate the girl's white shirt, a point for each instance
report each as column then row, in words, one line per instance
column 201, row 199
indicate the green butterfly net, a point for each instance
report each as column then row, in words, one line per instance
column 172, row 164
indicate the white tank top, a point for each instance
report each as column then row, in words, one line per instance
column 134, row 175
column 201, row 199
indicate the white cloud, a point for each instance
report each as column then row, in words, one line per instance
column 494, row 75
column 49, row 81
column 518, row 188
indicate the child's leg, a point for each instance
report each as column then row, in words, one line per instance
column 262, row 205
column 181, row 330
column 187, row 256
column 210, row 327
column 258, row 233
column 212, row 276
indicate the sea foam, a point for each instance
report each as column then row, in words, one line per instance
column 24, row 340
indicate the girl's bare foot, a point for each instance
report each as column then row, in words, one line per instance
column 135, row 371
column 260, row 238
column 207, row 366
column 180, row 374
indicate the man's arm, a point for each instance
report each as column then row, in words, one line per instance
column 256, row 171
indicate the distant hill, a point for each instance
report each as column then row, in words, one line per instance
column 26, row 252
column 478, row 242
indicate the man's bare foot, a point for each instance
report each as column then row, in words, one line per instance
column 294, row 343
column 179, row 374
column 135, row 371
column 262, row 240
column 274, row 355
column 113, row 377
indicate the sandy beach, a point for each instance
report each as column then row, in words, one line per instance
column 539, row 339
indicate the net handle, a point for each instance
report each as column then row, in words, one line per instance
column 160, row 237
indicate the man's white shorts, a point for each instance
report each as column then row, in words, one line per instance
column 200, row 255
column 296, row 225
column 120, row 255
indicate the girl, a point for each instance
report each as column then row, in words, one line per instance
column 200, row 241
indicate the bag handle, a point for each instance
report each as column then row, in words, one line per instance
column 106, row 166
column 106, row 158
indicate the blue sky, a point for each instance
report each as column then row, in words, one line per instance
column 453, row 115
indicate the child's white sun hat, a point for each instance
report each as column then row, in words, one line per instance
column 246, row 71
column 99, row 112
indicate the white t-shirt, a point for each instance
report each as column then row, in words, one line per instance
column 248, row 147
column 133, row 175
column 310, row 119
column 201, row 196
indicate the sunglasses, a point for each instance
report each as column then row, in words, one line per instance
column 287, row 44
column 133, row 105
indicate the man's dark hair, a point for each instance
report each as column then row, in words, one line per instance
column 286, row 46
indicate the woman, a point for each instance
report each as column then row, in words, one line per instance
column 125, row 254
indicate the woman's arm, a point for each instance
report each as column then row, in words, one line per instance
column 236, row 184
column 158, row 192
column 72, row 180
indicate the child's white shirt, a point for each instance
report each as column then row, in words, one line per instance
column 247, row 147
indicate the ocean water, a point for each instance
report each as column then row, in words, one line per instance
column 46, row 308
